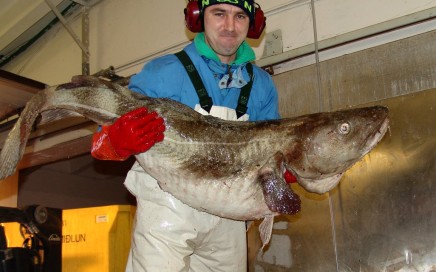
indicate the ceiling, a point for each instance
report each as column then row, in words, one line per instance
column 22, row 22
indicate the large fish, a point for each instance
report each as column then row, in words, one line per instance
column 227, row 168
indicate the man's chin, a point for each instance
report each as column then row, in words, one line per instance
column 228, row 49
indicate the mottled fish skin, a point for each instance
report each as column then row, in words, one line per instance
column 227, row 168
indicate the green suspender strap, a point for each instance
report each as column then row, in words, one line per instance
column 241, row 109
column 205, row 100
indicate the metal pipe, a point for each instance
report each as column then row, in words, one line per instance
column 317, row 65
column 85, row 39
column 141, row 60
column 67, row 27
column 6, row 59
column 321, row 108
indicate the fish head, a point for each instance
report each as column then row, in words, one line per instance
column 330, row 143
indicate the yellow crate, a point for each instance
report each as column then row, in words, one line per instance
column 96, row 239
column 14, row 236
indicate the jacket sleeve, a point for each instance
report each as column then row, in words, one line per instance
column 271, row 107
column 159, row 78
column 265, row 97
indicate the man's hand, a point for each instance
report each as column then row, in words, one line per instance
column 134, row 132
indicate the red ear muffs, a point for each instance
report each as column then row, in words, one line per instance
column 192, row 17
column 193, row 20
column 257, row 27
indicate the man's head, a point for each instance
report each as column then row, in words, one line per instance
column 195, row 9
column 225, row 27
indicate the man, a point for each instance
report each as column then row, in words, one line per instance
column 169, row 235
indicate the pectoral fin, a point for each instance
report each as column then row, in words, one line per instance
column 278, row 195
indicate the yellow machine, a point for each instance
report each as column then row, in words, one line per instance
column 93, row 239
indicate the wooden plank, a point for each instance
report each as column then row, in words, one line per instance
column 57, row 152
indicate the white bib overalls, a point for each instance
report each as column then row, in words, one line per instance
column 169, row 236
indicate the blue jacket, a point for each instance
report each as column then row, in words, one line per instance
column 166, row 77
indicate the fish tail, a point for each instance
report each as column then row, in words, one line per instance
column 14, row 146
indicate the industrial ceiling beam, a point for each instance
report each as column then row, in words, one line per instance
column 67, row 27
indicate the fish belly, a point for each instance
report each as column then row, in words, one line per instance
column 236, row 197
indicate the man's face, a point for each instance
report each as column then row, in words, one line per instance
column 225, row 28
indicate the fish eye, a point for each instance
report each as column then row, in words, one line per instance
column 344, row 128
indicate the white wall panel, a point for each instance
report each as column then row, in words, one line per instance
column 334, row 17
column 124, row 31
column 125, row 34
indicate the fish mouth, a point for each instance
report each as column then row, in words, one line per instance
column 373, row 140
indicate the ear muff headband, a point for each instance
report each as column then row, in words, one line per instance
column 194, row 23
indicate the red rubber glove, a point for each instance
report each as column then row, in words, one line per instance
column 289, row 177
column 134, row 132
